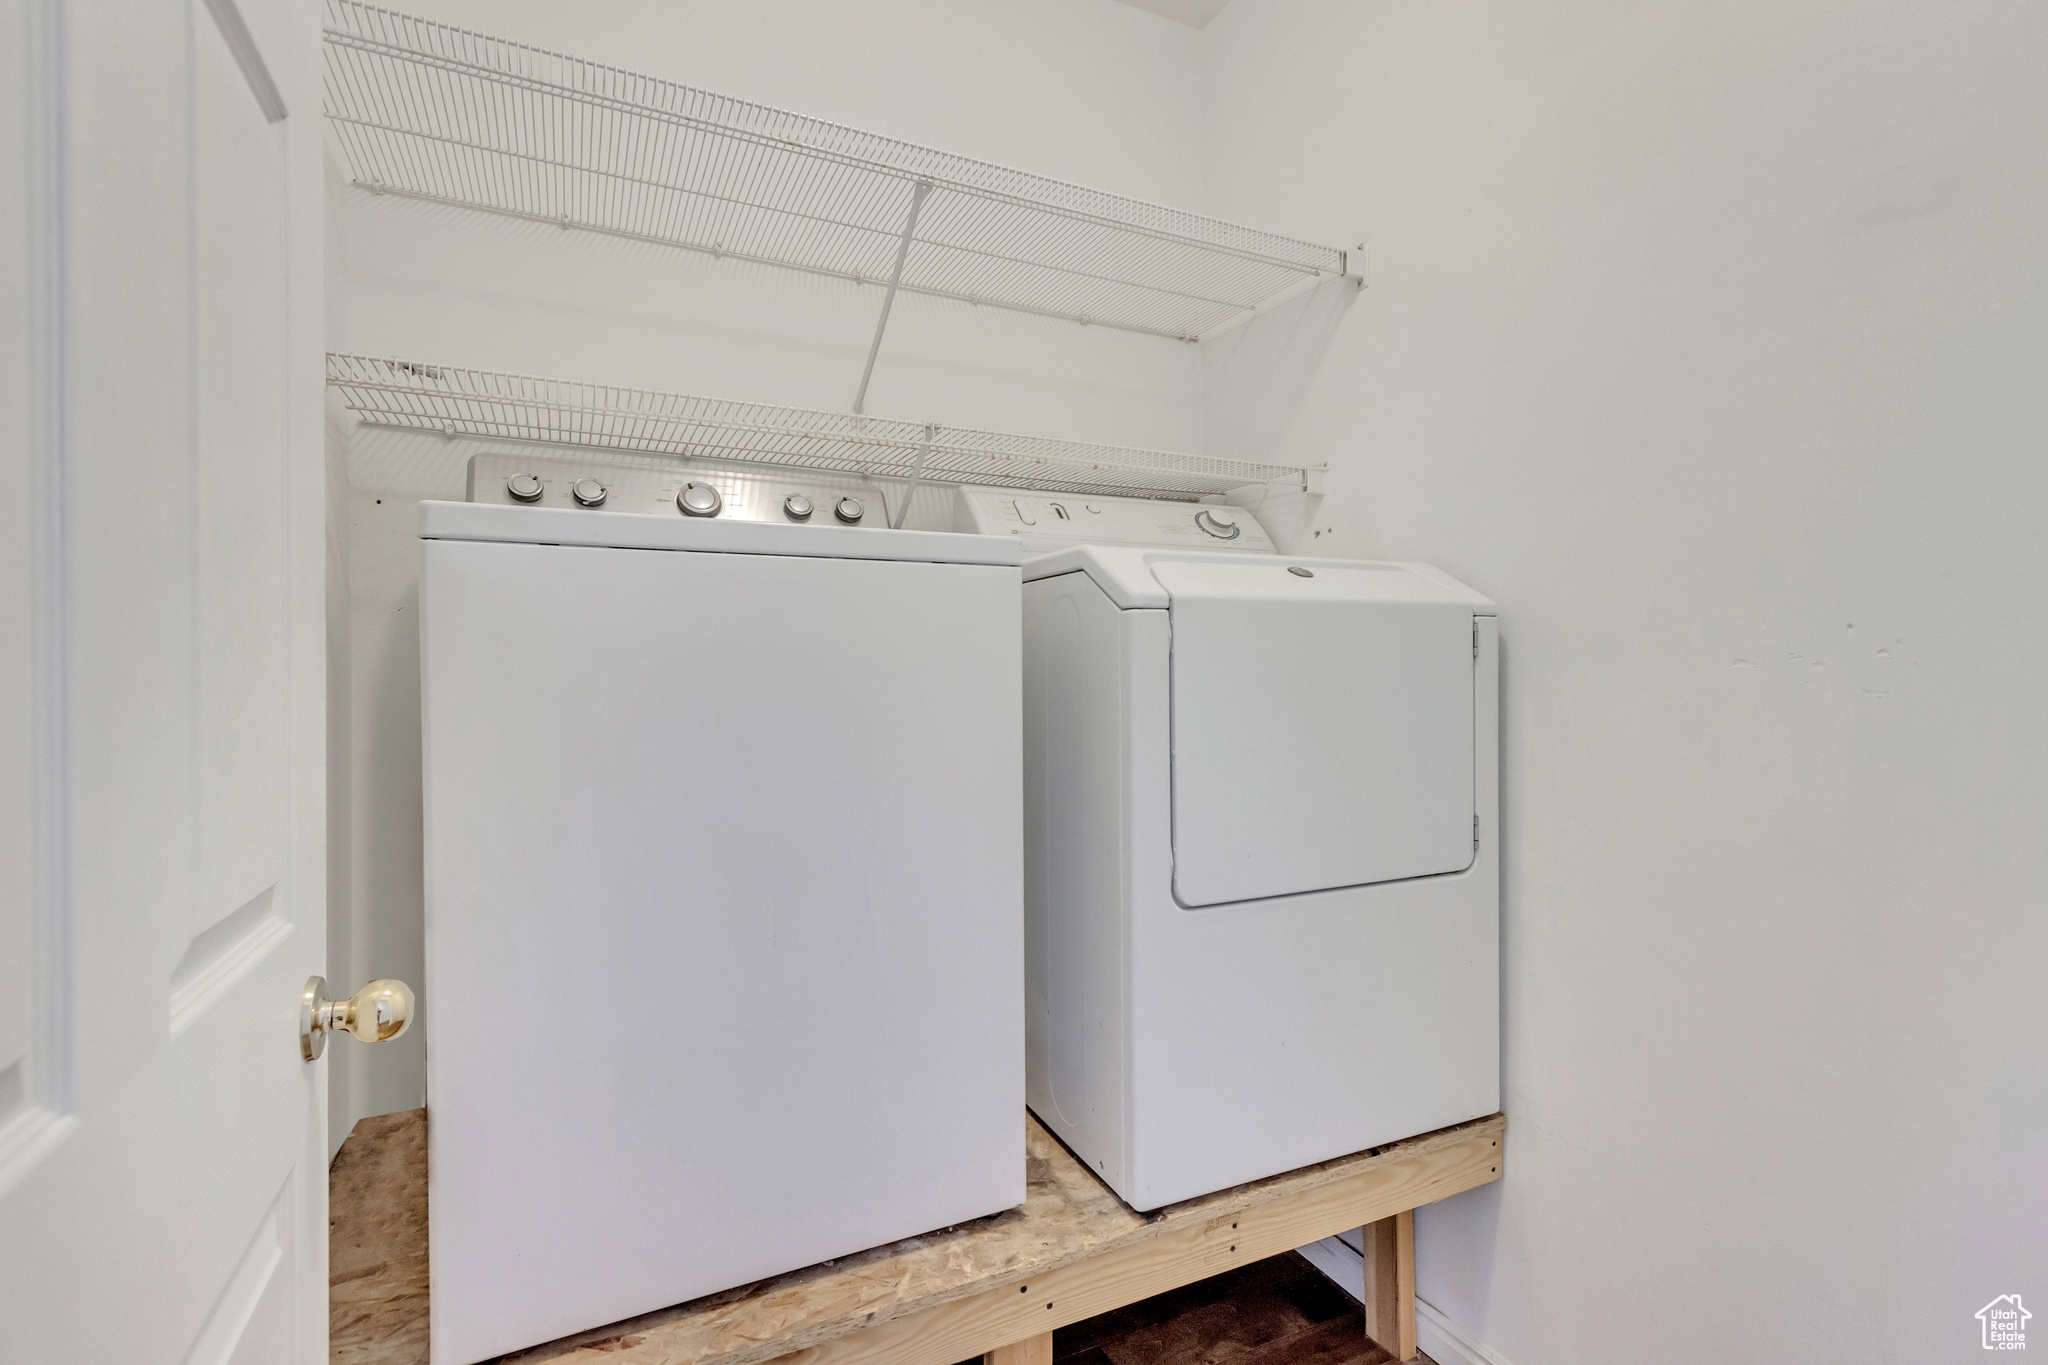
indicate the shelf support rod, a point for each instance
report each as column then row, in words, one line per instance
column 917, row 197
column 924, row 450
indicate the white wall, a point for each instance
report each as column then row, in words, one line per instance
column 1711, row 339
column 341, row 954
column 1086, row 90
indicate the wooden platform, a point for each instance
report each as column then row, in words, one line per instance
column 997, row 1285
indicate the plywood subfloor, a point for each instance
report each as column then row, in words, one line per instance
column 377, row 1243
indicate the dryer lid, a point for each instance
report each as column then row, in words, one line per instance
column 1322, row 725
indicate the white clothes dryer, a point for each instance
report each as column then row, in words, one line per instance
column 724, row 891
column 1261, row 843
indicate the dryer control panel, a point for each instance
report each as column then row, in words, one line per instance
column 1052, row 521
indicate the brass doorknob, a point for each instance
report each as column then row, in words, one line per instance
column 377, row 1013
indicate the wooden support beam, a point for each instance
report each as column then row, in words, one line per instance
column 1390, row 1284
column 1175, row 1253
column 1030, row 1351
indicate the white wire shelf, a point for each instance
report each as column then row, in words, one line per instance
column 444, row 114
column 516, row 407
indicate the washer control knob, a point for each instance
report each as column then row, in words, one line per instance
column 797, row 507
column 848, row 510
column 589, row 492
column 524, row 487
column 699, row 500
column 1220, row 522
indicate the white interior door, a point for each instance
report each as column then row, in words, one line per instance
column 162, row 1172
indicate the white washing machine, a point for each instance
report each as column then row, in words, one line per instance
column 1262, row 851
column 724, row 890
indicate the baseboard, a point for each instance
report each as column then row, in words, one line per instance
column 1435, row 1335
column 1343, row 1265
column 1446, row 1343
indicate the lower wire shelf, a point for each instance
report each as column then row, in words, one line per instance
column 514, row 407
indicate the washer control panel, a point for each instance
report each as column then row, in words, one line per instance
column 678, row 490
column 1052, row 521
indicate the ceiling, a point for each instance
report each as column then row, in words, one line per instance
column 1193, row 13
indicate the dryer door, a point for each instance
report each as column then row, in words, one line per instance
column 1322, row 728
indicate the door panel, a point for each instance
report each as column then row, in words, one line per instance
column 239, row 392
column 251, row 1321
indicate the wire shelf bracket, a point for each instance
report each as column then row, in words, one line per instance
column 514, row 407
column 917, row 463
column 917, row 198
column 439, row 113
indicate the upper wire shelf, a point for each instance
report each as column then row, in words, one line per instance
column 518, row 407
column 444, row 114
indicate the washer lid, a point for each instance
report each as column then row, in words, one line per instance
column 1322, row 726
